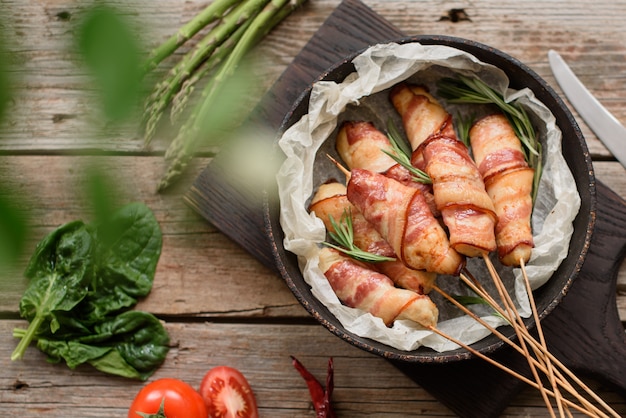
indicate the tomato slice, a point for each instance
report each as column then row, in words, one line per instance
column 178, row 399
column 227, row 394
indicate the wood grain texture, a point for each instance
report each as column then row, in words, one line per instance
column 221, row 305
column 365, row 385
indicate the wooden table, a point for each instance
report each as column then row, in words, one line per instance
column 221, row 306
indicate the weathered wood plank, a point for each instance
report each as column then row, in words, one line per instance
column 56, row 99
column 195, row 256
column 200, row 270
column 365, row 385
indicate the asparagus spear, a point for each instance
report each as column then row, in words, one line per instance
column 213, row 12
column 182, row 97
column 181, row 149
column 163, row 92
column 179, row 101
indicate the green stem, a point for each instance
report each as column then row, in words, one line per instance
column 180, row 150
column 210, row 14
column 164, row 91
column 26, row 337
column 181, row 98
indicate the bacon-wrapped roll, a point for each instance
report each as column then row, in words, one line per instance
column 460, row 195
column 360, row 145
column 509, row 180
column 402, row 217
column 358, row 286
column 331, row 200
column 422, row 115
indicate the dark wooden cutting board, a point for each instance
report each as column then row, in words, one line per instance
column 584, row 330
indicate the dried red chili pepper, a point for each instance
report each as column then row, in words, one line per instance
column 319, row 395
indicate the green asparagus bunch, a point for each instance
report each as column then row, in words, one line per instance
column 234, row 28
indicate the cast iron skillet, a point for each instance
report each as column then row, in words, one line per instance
column 547, row 297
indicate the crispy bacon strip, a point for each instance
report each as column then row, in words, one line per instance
column 421, row 113
column 460, row 195
column 508, row 179
column 360, row 287
column 360, row 145
column 401, row 215
column 331, row 200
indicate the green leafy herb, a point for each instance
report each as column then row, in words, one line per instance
column 475, row 300
column 344, row 235
column 83, row 278
column 472, row 90
column 132, row 344
column 463, row 126
column 401, row 154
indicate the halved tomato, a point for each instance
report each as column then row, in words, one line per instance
column 171, row 398
column 227, row 394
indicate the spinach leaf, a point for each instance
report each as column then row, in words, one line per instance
column 60, row 270
column 82, row 277
column 132, row 344
column 129, row 247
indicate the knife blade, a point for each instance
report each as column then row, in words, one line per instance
column 606, row 127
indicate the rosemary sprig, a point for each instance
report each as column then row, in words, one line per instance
column 401, row 154
column 476, row 300
column 463, row 126
column 472, row 90
column 344, row 235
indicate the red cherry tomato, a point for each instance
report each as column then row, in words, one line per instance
column 227, row 394
column 179, row 400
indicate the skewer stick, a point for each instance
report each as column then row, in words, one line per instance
column 515, row 317
column 542, row 339
column 533, row 361
column 547, row 355
column 505, row 369
column 344, row 170
column 477, row 288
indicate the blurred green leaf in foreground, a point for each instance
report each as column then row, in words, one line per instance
column 111, row 52
column 14, row 229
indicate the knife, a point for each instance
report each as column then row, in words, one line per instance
column 606, row 127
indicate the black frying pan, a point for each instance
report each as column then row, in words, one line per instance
column 547, row 297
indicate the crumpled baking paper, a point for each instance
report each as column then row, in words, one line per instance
column 305, row 168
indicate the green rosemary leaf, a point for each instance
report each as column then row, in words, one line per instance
column 401, row 154
column 397, row 142
column 475, row 300
column 463, row 126
column 344, row 236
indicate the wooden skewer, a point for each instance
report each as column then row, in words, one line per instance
column 545, row 354
column 344, row 170
column 542, row 340
column 497, row 334
column 505, row 369
column 541, row 352
column 514, row 317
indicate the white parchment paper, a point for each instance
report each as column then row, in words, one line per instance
column 362, row 96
